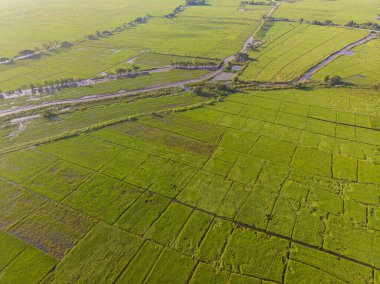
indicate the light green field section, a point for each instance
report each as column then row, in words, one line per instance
column 290, row 49
column 362, row 67
column 26, row 25
column 338, row 11
column 279, row 186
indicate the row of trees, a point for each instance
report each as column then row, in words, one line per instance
column 196, row 2
column 274, row 19
column 195, row 65
column 124, row 71
column 29, row 53
column 352, row 24
column 106, row 33
column 367, row 25
column 253, row 3
column 334, row 80
column 212, row 90
column 177, row 10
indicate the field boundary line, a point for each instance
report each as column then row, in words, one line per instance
column 129, row 262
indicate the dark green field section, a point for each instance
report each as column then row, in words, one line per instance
column 264, row 187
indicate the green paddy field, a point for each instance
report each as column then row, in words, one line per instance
column 162, row 179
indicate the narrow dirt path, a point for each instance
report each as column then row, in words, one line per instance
column 345, row 50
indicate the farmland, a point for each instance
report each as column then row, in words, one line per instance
column 173, row 142
column 212, row 32
column 290, row 176
column 66, row 20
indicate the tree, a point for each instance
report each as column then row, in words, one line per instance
column 120, row 71
column 4, row 60
column 26, row 52
column 195, row 2
column 336, row 80
column 326, row 79
column 242, row 57
column 66, row 44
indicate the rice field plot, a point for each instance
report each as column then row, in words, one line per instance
column 256, row 198
column 25, row 25
column 17, row 256
column 19, row 166
column 58, row 180
column 360, row 67
column 340, row 11
column 53, row 228
column 290, row 49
